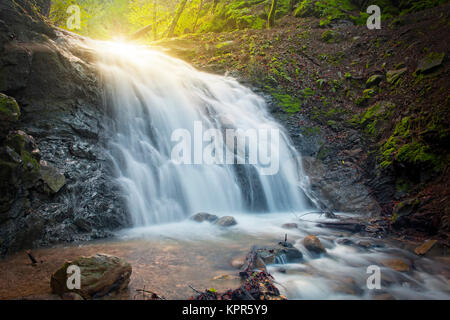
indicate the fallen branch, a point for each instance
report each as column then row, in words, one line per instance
column 30, row 255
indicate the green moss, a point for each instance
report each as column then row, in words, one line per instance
column 288, row 103
column 330, row 36
column 9, row 109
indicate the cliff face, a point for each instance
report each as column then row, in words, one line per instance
column 55, row 183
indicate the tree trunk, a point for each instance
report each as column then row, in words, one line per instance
column 173, row 25
column 271, row 19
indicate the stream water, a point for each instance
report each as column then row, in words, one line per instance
column 148, row 96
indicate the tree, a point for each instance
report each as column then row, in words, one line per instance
column 200, row 7
column 173, row 25
column 271, row 19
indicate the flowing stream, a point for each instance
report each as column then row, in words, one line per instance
column 148, row 97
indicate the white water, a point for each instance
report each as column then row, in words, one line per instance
column 149, row 95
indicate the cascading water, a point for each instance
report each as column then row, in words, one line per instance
column 149, row 96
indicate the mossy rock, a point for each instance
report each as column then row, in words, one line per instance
column 53, row 179
column 330, row 36
column 9, row 113
column 100, row 274
column 430, row 62
column 374, row 80
column 393, row 76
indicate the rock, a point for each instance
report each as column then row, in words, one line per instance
column 71, row 296
column 284, row 252
column 53, row 179
column 396, row 264
column 393, row 76
column 402, row 210
column 430, row 62
column 226, row 221
column 330, row 36
column 9, row 110
column 425, row 247
column 238, row 262
column 291, row 225
column 203, row 216
column 101, row 274
column 365, row 244
column 374, row 80
column 345, row 242
column 313, row 244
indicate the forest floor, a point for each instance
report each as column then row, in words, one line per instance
column 319, row 78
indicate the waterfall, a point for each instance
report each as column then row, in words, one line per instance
column 148, row 96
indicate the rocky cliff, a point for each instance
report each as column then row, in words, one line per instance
column 55, row 184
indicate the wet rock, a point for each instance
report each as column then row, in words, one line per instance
column 366, row 244
column 430, row 62
column 393, row 76
column 374, row 80
column 203, row 216
column 53, row 179
column 291, row 225
column 9, row 112
column 313, row 244
column 226, row 221
column 396, row 264
column 71, row 296
column 101, row 274
column 345, row 242
column 282, row 253
column 425, row 247
column 347, row 285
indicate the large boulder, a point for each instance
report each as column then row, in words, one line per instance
column 313, row 244
column 100, row 274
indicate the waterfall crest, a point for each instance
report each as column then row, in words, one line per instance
column 148, row 96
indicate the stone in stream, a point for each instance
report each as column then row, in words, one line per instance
column 424, row 247
column 396, row 264
column 204, row 216
column 313, row 244
column 100, row 274
column 283, row 252
column 226, row 221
